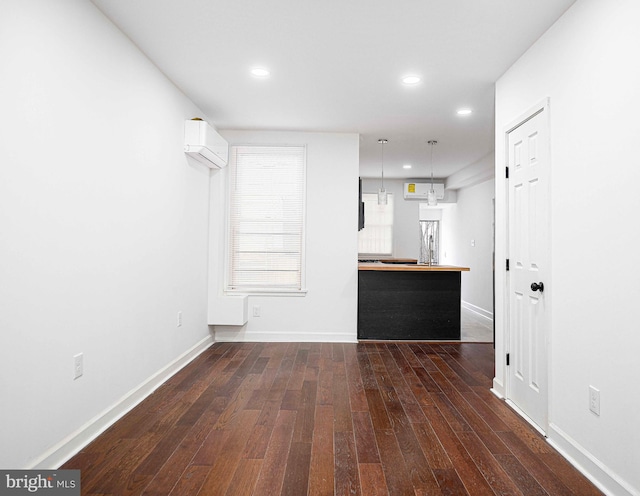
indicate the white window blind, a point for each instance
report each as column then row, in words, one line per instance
column 377, row 236
column 267, row 217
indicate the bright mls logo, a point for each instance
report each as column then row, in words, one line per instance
column 43, row 482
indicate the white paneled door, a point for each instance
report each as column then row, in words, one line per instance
column 528, row 276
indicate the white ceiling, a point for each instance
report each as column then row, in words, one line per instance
column 336, row 67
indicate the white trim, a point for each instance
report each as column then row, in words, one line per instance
column 228, row 252
column 477, row 310
column 381, row 214
column 583, row 461
column 74, row 442
column 266, row 292
column 592, row 468
column 541, row 106
column 225, row 334
column 497, row 389
column 515, row 408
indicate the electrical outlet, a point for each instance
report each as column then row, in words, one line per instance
column 594, row 400
column 179, row 319
column 256, row 310
column 78, row 365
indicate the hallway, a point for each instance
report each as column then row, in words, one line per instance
column 475, row 328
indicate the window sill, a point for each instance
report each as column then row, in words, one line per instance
column 267, row 292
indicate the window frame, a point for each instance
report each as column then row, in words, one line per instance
column 264, row 290
column 373, row 197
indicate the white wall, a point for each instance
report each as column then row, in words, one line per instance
column 467, row 241
column 103, row 222
column 586, row 65
column 328, row 311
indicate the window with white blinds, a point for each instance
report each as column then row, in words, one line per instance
column 267, row 211
column 377, row 236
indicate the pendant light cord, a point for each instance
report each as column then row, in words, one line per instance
column 431, row 165
column 382, row 142
column 382, row 166
column 432, row 143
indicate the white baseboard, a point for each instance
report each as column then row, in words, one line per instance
column 592, row 468
column 235, row 335
column 497, row 389
column 477, row 310
column 72, row 444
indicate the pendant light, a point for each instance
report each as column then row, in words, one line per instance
column 382, row 193
column 432, row 201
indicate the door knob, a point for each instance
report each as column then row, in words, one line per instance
column 537, row 286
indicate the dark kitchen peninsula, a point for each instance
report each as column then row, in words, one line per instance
column 405, row 301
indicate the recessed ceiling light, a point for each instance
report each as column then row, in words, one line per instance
column 260, row 72
column 465, row 111
column 411, row 79
column 406, row 166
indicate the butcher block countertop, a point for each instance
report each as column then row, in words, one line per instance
column 409, row 267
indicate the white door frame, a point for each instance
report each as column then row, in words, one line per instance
column 542, row 106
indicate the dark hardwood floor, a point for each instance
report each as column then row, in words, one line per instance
column 310, row 418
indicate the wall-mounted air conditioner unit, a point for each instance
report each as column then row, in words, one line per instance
column 203, row 143
column 418, row 191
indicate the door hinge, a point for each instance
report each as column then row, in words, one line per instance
column 507, row 359
column 507, row 266
column 507, row 172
